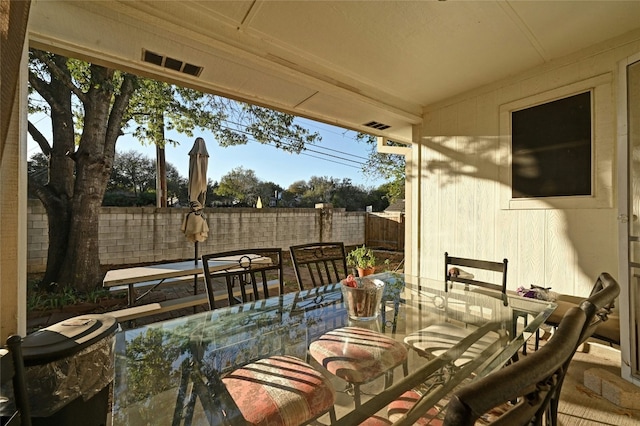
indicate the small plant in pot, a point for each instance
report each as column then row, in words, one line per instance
column 363, row 260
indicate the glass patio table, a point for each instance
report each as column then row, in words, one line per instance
column 170, row 372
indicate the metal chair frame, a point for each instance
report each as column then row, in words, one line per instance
column 12, row 369
column 597, row 307
column 319, row 264
column 524, row 387
column 246, row 273
column 486, row 265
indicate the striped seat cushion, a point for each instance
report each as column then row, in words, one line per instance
column 357, row 355
column 405, row 402
column 376, row 421
column 280, row 390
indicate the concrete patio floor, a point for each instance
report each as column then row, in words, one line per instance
column 581, row 406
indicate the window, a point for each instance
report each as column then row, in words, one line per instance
column 552, row 149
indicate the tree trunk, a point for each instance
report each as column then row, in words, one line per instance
column 78, row 178
column 81, row 265
column 94, row 159
column 58, row 232
column 57, row 193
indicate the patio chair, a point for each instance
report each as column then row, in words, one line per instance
column 519, row 393
column 597, row 307
column 318, row 264
column 250, row 277
column 434, row 340
column 453, row 274
column 12, row 369
column 277, row 389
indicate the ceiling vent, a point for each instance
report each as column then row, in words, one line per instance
column 171, row 63
column 376, row 125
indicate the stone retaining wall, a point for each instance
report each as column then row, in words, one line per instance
column 130, row 235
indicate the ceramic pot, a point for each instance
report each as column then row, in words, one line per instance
column 364, row 272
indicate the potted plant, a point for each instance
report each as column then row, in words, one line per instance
column 363, row 260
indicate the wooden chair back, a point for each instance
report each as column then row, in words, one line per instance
column 453, row 274
column 319, row 264
column 12, row 370
column 248, row 279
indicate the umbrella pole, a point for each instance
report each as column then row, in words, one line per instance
column 195, row 277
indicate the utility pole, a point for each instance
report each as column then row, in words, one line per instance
column 161, row 165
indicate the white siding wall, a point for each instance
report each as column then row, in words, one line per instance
column 462, row 174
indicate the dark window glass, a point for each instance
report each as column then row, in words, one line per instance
column 551, row 146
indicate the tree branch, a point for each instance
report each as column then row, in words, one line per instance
column 118, row 110
column 42, row 88
column 43, row 192
column 59, row 74
column 40, row 139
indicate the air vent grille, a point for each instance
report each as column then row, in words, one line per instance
column 171, row 63
column 376, row 125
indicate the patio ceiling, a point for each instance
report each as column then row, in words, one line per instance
column 343, row 62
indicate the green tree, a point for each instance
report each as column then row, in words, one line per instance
column 37, row 170
column 319, row 190
column 390, row 167
column 133, row 179
column 132, row 171
column 349, row 196
column 90, row 106
column 267, row 191
column 177, row 190
column 378, row 198
column 240, row 187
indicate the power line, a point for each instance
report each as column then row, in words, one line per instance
column 324, row 159
column 350, row 159
column 351, row 155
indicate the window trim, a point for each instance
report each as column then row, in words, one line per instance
column 602, row 147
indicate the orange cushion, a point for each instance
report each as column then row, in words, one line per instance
column 405, row 402
column 280, row 390
column 357, row 355
column 376, row 421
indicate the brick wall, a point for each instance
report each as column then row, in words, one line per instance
column 130, row 235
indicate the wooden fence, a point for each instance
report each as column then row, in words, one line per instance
column 385, row 231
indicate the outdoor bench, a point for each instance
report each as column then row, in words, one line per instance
column 608, row 331
column 155, row 308
column 151, row 276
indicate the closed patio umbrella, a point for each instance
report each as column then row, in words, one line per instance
column 194, row 225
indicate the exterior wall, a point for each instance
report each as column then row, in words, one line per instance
column 13, row 175
column 462, row 162
column 131, row 235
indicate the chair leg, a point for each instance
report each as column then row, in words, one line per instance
column 356, row 395
column 388, row 378
column 332, row 415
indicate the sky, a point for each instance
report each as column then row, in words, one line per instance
column 339, row 155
